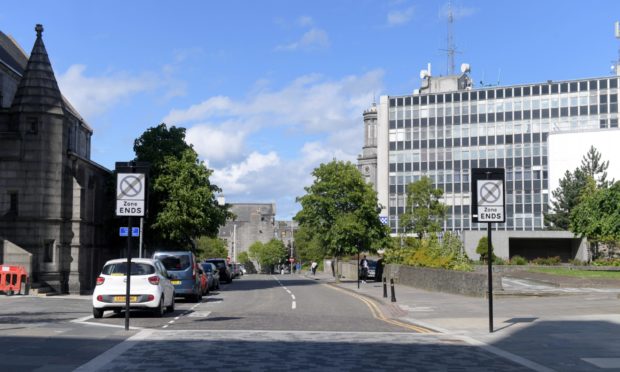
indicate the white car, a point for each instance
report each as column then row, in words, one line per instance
column 150, row 287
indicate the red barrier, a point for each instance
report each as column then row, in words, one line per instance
column 13, row 279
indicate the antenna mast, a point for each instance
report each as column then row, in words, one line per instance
column 451, row 49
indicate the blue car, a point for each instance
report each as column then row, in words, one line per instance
column 181, row 265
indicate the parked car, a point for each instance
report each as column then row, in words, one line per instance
column 204, row 281
column 181, row 265
column 234, row 269
column 213, row 275
column 243, row 269
column 150, row 287
column 372, row 270
column 220, row 263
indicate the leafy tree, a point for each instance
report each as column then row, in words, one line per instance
column 340, row 211
column 308, row 246
column 424, row 213
column 566, row 196
column 268, row 254
column 483, row 249
column 208, row 247
column 244, row 258
column 596, row 216
column 181, row 200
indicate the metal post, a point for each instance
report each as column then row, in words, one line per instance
column 392, row 288
column 358, row 270
column 490, row 275
column 128, row 275
column 141, row 235
column 384, row 287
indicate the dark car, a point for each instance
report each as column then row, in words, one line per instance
column 213, row 275
column 372, row 270
column 220, row 263
column 181, row 265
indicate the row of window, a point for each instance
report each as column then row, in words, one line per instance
column 467, row 141
column 494, row 93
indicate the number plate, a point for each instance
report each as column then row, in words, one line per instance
column 176, row 282
column 122, row 298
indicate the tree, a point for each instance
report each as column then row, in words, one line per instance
column 483, row 249
column 340, row 211
column 208, row 247
column 596, row 216
column 424, row 213
column 308, row 246
column 566, row 197
column 181, row 200
column 268, row 254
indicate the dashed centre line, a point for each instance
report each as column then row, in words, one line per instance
column 294, row 303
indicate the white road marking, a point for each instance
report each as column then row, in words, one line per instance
column 293, row 296
column 289, row 292
column 294, row 305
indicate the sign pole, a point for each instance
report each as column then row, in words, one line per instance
column 128, row 275
column 490, row 275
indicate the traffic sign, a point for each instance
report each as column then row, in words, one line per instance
column 135, row 231
column 130, row 191
column 488, row 195
column 291, row 260
column 123, row 231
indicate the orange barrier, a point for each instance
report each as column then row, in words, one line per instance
column 13, row 279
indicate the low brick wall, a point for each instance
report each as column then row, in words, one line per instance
column 439, row 280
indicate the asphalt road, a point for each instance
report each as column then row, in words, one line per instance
column 259, row 322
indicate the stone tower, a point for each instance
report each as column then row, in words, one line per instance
column 367, row 161
column 51, row 193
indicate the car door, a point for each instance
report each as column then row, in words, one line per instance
column 165, row 282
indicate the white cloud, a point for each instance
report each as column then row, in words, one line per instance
column 238, row 179
column 400, row 17
column 94, row 95
column 321, row 117
column 305, row 21
column 217, row 144
column 313, row 39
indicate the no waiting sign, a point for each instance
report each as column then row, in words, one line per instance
column 488, row 195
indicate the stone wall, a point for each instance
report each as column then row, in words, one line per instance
column 439, row 280
column 11, row 254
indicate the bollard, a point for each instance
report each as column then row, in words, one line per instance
column 384, row 287
column 393, row 294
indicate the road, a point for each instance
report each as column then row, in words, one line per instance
column 259, row 322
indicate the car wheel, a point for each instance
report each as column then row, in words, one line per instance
column 170, row 308
column 159, row 311
column 97, row 313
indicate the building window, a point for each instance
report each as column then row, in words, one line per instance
column 33, row 125
column 48, row 251
column 13, row 203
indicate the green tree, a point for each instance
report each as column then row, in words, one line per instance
column 340, row 210
column 596, row 216
column 308, row 246
column 566, row 197
column 208, row 247
column 483, row 249
column 181, row 200
column 424, row 213
column 268, row 254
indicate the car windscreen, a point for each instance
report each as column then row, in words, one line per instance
column 207, row 267
column 120, row 268
column 175, row 263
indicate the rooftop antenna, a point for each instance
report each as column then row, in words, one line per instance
column 450, row 49
column 616, row 65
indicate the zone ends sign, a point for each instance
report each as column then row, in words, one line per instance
column 130, row 191
column 488, row 191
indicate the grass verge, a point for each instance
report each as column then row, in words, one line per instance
column 576, row 273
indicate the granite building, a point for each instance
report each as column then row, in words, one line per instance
column 253, row 222
column 448, row 127
column 53, row 206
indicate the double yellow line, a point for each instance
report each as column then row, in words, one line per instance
column 378, row 314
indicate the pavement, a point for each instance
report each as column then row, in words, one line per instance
column 539, row 324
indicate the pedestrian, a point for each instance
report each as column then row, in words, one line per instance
column 313, row 267
column 379, row 270
column 363, row 269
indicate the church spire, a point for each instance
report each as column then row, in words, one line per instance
column 38, row 90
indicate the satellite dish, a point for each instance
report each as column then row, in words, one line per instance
column 423, row 74
column 465, row 68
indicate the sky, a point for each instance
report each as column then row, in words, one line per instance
column 268, row 90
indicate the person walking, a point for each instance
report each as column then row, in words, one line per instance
column 313, row 267
column 363, row 269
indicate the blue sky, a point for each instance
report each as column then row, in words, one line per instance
column 270, row 89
